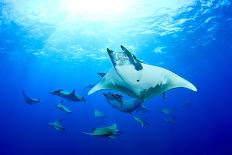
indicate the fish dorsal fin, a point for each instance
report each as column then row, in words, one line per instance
column 62, row 102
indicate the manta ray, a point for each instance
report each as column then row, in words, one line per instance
column 108, row 131
column 99, row 114
column 57, row 125
column 29, row 100
column 70, row 96
column 137, row 79
column 124, row 105
column 62, row 107
column 140, row 121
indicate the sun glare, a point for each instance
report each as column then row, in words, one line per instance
column 95, row 9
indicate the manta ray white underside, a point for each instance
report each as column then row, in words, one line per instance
column 143, row 84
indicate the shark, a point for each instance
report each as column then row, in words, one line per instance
column 57, row 125
column 124, row 105
column 108, row 131
column 30, row 100
column 142, row 122
column 99, row 114
column 70, row 96
column 62, row 107
column 137, row 79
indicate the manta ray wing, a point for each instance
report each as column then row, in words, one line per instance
column 111, row 81
column 151, row 80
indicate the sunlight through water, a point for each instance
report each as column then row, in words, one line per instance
column 94, row 9
column 83, row 29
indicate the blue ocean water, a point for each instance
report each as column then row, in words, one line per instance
column 48, row 45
